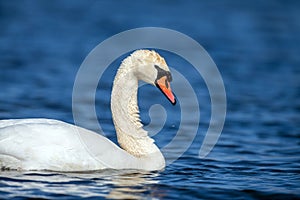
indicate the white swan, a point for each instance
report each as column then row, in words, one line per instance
column 46, row 144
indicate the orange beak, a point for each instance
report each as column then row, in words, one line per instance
column 164, row 85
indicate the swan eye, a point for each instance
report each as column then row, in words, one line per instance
column 161, row 72
column 169, row 76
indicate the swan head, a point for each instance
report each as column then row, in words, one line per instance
column 153, row 69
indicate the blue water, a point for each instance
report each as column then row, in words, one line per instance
column 255, row 45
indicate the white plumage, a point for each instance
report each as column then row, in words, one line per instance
column 46, row 144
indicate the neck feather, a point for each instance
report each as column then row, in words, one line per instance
column 125, row 112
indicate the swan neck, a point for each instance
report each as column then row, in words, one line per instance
column 124, row 102
column 125, row 113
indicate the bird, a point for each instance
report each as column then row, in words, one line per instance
column 54, row 145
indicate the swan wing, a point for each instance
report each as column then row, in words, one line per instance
column 38, row 144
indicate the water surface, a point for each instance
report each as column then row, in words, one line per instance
column 256, row 48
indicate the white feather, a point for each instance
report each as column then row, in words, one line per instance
column 46, row 144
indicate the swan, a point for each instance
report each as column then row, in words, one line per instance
column 48, row 144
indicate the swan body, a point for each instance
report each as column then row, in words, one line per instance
column 47, row 144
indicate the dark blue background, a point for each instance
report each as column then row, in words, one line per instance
column 255, row 45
